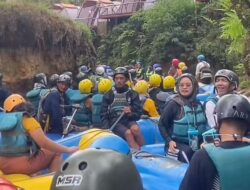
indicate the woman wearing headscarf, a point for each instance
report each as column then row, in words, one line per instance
column 183, row 120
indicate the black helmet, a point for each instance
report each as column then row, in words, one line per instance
column 64, row 78
column 121, row 70
column 40, row 78
column 229, row 75
column 97, row 169
column 233, row 106
column 53, row 79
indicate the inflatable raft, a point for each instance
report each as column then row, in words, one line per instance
column 157, row 171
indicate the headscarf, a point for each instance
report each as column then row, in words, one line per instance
column 192, row 97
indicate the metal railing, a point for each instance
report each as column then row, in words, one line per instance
column 123, row 9
column 111, row 11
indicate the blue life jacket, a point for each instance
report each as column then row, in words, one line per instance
column 208, row 89
column 96, row 110
column 233, row 166
column 213, row 98
column 33, row 96
column 120, row 101
column 194, row 118
column 14, row 139
column 83, row 115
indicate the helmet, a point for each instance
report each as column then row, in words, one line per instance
column 158, row 70
column 206, row 73
column 64, row 78
column 168, row 82
column 155, row 80
column 182, row 66
column 69, row 73
column 85, row 170
column 85, row 86
column 12, row 101
column 100, row 70
column 121, row 70
column 233, row 106
column 53, row 79
column 175, row 63
column 229, row 75
column 141, row 87
column 201, row 58
column 132, row 73
column 110, row 72
column 156, row 65
column 40, row 78
column 104, row 86
column 84, row 69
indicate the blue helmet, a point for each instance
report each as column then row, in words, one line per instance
column 156, row 65
column 84, row 69
column 201, row 57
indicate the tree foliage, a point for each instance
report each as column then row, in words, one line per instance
column 182, row 29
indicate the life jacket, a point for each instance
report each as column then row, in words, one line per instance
column 96, row 110
column 194, row 118
column 120, row 101
column 41, row 116
column 83, row 115
column 14, row 139
column 33, row 96
column 232, row 165
column 208, row 89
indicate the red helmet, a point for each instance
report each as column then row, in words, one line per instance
column 175, row 63
column 6, row 185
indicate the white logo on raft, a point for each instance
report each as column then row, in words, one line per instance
column 68, row 180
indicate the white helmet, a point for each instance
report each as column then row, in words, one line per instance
column 100, row 70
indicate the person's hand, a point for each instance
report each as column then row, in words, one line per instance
column 245, row 139
column 127, row 110
column 72, row 149
column 172, row 147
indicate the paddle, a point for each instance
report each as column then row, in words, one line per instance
column 66, row 130
column 115, row 123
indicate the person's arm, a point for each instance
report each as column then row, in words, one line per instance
column 34, row 129
column 209, row 110
column 44, row 142
column 135, row 106
column 167, row 118
column 56, row 113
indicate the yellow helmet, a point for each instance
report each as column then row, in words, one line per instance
column 168, row 82
column 155, row 80
column 141, row 87
column 182, row 66
column 12, row 101
column 104, row 86
column 85, row 86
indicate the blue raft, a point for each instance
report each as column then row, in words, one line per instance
column 157, row 171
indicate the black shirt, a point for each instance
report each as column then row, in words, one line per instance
column 202, row 173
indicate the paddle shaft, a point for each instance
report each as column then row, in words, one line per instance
column 115, row 123
column 70, row 121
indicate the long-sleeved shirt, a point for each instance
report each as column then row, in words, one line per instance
column 134, row 104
